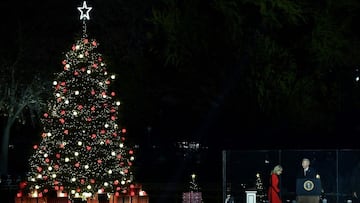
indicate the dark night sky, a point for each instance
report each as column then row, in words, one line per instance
column 211, row 97
column 177, row 111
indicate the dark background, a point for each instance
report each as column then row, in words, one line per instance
column 226, row 74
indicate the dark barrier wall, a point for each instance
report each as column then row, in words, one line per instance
column 339, row 172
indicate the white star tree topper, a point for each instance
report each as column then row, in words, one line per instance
column 84, row 11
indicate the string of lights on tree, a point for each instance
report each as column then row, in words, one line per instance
column 82, row 151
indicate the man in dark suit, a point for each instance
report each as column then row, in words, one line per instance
column 308, row 173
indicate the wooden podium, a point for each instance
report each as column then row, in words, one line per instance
column 308, row 190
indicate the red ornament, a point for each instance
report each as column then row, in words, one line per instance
column 112, row 93
column 89, row 119
column 116, row 182
column 64, row 90
column 107, row 82
column 131, row 152
column 40, row 194
column 56, row 167
column 123, row 138
column 80, row 107
column 93, row 136
column 119, row 156
column 66, row 132
column 35, row 146
column 62, row 145
column 86, row 41
column 112, row 110
column 63, row 83
column 92, row 180
column 107, row 141
column 73, row 47
column 93, row 108
column 46, row 115
column 63, row 62
column 47, row 160
column 103, row 93
column 88, row 148
column 99, row 59
column 123, row 130
column 94, row 43
column 76, row 73
column 45, row 177
column 19, row 194
column 95, row 65
column 58, row 155
column 39, row 169
column 102, row 132
column 127, row 171
column 43, row 135
column 86, row 53
column 62, row 121
column 82, row 181
column 83, row 69
column 92, row 92
column 22, row 184
column 46, row 190
column 77, row 164
column 62, row 112
column 114, row 134
column 99, row 161
column 117, row 194
column 118, row 188
column 58, row 99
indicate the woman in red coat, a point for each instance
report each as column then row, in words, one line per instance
column 273, row 192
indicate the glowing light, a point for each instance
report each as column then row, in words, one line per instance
column 113, row 153
column 118, row 103
column 66, row 101
column 110, row 171
column 76, row 153
column 50, row 168
column 106, row 125
column 84, row 11
column 88, row 71
column 121, row 145
column 48, row 134
column 132, row 158
column 57, row 94
column 76, row 92
column 86, row 166
column 88, row 187
column 53, row 175
column 79, row 143
column 123, row 182
column 55, row 83
column 106, row 184
column 67, row 159
column 112, row 77
column 73, row 179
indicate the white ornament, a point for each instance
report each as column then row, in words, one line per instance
column 84, row 10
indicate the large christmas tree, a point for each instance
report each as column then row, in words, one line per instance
column 82, row 151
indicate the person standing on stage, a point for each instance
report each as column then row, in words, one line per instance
column 274, row 190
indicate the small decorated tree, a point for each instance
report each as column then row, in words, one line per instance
column 260, row 190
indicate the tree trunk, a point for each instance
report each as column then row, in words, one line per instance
column 5, row 148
